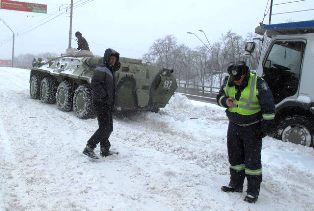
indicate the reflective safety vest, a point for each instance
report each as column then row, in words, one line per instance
column 248, row 103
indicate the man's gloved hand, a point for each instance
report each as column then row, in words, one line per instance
column 268, row 127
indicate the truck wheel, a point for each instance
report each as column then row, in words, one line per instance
column 64, row 96
column 34, row 87
column 296, row 129
column 83, row 102
column 48, row 89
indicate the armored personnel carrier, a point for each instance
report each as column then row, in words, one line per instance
column 66, row 81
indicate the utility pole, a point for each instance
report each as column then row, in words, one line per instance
column 70, row 31
column 13, row 49
column 12, row 60
column 271, row 10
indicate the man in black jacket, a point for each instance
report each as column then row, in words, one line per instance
column 103, row 90
column 251, row 111
column 81, row 42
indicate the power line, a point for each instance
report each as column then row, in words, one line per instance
column 265, row 11
column 83, row 3
column 296, row 11
column 78, row 3
column 284, row 3
column 35, row 27
column 289, row 2
column 58, row 11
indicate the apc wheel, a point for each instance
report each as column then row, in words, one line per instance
column 296, row 129
column 83, row 102
column 48, row 89
column 34, row 87
column 64, row 96
column 155, row 110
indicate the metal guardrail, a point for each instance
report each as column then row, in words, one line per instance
column 201, row 93
column 207, row 91
column 200, row 98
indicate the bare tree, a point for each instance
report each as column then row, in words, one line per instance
column 161, row 51
column 199, row 65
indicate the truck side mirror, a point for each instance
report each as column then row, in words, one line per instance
column 267, row 64
column 249, row 47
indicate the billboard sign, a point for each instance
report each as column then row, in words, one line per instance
column 5, row 63
column 23, row 6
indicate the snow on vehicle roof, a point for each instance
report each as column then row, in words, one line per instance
column 304, row 99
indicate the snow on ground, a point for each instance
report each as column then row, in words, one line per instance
column 172, row 160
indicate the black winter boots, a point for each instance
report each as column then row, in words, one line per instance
column 90, row 152
column 231, row 189
column 104, row 152
column 250, row 198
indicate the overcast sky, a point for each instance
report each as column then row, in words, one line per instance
column 131, row 26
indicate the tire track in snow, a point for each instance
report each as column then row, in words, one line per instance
column 164, row 139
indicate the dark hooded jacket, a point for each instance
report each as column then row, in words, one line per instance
column 82, row 44
column 103, row 81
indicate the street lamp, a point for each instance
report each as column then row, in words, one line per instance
column 12, row 62
column 205, row 36
column 208, row 48
column 199, row 39
column 211, row 75
column 70, row 30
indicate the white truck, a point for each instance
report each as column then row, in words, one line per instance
column 287, row 64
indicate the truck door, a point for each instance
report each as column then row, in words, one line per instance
column 282, row 68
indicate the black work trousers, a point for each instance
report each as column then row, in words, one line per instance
column 244, row 151
column 102, row 134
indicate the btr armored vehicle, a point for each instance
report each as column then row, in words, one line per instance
column 66, row 81
column 286, row 63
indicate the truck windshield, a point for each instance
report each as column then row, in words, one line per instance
column 282, row 68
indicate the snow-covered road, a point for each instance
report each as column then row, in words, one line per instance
column 173, row 160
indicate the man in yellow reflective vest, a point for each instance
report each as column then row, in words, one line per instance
column 251, row 111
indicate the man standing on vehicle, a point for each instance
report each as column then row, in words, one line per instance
column 103, row 90
column 82, row 44
column 251, row 111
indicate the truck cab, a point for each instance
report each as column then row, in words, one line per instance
column 287, row 65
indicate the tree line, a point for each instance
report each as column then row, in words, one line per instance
column 203, row 65
column 25, row 60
